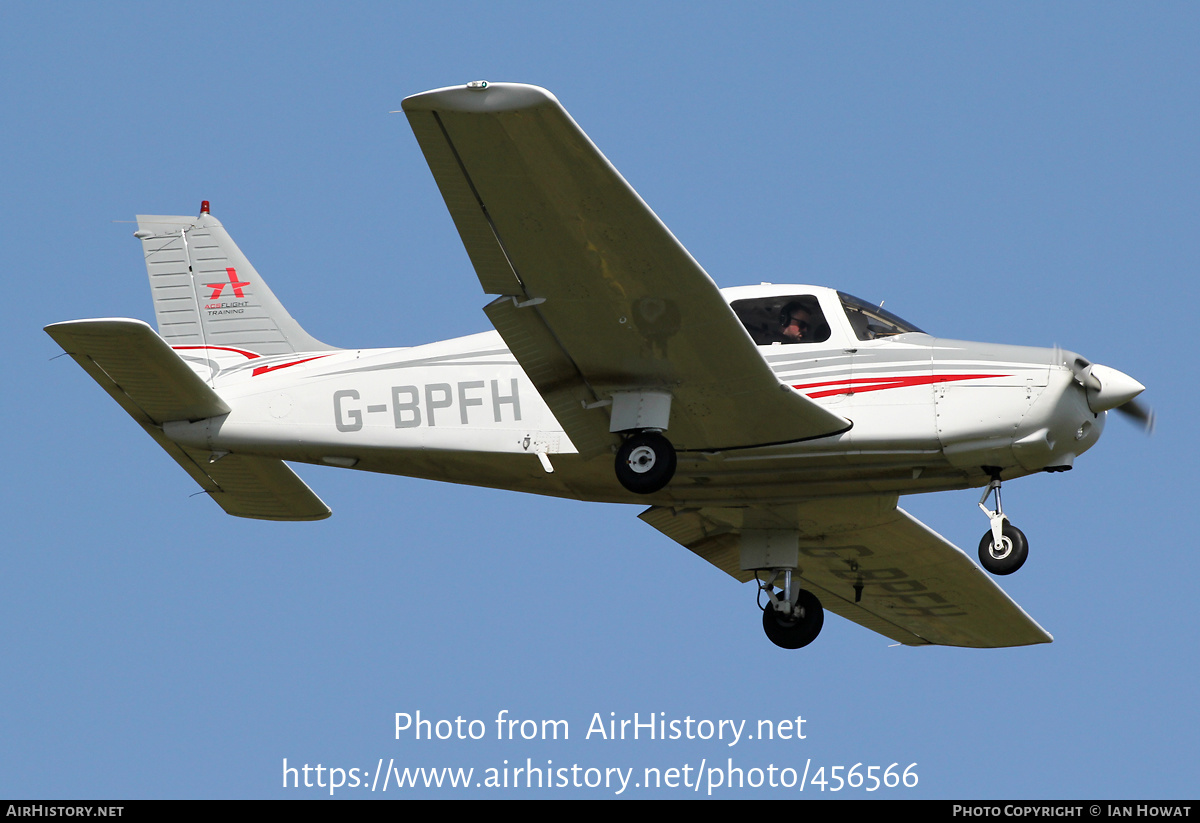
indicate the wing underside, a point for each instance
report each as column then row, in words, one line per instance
column 597, row 295
column 872, row 563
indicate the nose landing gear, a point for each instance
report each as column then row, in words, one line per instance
column 1003, row 548
column 1006, row 555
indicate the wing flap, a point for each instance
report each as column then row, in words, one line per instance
column 153, row 385
column 554, row 225
column 916, row 587
column 555, row 376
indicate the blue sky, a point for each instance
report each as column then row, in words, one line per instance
column 1010, row 173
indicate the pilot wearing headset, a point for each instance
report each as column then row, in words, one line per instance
column 796, row 323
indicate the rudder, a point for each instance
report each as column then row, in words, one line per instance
column 208, row 295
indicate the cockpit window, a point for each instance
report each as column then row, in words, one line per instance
column 872, row 322
column 783, row 319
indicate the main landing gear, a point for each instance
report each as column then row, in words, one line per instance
column 793, row 617
column 1003, row 548
column 645, row 462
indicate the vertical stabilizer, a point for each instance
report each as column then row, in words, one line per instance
column 206, row 293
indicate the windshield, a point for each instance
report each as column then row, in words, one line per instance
column 872, row 322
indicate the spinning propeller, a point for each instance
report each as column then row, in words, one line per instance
column 1108, row 389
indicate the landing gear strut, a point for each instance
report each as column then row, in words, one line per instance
column 645, row 462
column 793, row 617
column 1003, row 548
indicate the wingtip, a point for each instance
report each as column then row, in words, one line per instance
column 480, row 96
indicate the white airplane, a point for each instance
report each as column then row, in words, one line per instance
column 771, row 428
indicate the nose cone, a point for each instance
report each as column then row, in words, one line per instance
column 1108, row 388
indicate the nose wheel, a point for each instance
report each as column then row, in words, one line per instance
column 1005, row 556
column 1003, row 548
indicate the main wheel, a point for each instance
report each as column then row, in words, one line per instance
column 1009, row 556
column 798, row 631
column 645, row 463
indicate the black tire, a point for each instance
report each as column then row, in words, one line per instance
column 795, row 633
column 645, row 463
column 1011, row 555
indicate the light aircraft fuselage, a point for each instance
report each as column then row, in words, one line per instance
column 927, row 414
column 770, row 428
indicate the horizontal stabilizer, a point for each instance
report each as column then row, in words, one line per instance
column 128, row 356
column 149, row 380
column 261, row 488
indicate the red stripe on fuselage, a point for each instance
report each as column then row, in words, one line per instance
column 249, row 354
column 252, row 356
column 854, row 385
column 265, row 369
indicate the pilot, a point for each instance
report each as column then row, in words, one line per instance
column 795, row 323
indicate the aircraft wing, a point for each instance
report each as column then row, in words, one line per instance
column 150, row 382
column 597, row 295
column 916, row 587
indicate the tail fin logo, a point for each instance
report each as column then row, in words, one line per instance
column 233, row 282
